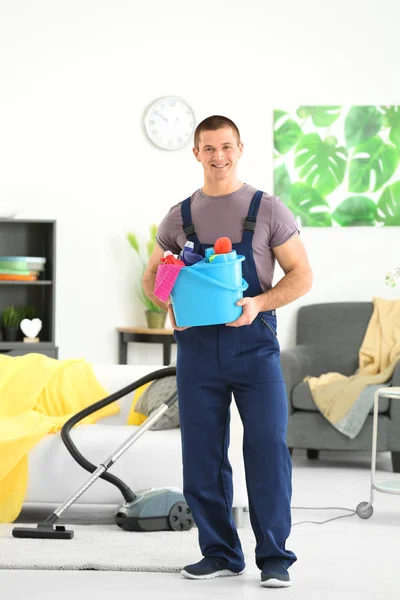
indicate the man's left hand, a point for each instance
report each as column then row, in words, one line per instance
column 250, row 311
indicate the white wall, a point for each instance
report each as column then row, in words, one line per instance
column 75, row 80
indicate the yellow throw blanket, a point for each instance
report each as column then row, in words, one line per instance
column 37, row 396
column 333, row 393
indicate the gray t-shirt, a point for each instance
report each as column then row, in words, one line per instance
column 224, row 216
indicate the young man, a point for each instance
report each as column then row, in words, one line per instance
column 241, row 357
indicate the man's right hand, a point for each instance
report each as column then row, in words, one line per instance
column 172, row 316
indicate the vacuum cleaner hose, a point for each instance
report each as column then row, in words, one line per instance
column 127, row 493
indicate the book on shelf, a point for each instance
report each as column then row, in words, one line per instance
column 17, row 268
column 13, row 277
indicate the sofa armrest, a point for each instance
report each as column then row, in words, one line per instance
column 395, row 404
column 296, row 364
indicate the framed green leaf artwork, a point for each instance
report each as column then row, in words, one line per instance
column 339, row 166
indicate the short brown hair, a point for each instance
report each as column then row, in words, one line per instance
column 212, row 124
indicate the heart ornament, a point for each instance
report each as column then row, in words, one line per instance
column 31, row 327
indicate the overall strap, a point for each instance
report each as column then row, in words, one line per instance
column 187, row 224
column 250, row 222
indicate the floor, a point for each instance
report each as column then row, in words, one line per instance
column 344, row 558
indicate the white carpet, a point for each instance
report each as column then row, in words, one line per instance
column 107, row 547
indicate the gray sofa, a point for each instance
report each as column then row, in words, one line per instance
column 328, row 338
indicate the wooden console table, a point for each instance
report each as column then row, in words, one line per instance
column 148, row 336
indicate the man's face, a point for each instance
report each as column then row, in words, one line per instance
column 218, row 152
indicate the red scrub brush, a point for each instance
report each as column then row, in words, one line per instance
column 223, row 245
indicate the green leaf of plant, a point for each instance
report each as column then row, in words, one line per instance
column 287, row 134
column 153, row 231
column 307, row 204
column 324, row 163
column 373, row 157
column 132, row 239
column 356, row 211
column 389, row 205
column 282, row 184
column 151, row 244
column 322, row 116
column 361, row 124
column 391, row 118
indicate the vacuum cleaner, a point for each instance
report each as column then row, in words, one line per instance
column 146, row 510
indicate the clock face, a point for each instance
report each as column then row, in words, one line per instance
column 169, row 123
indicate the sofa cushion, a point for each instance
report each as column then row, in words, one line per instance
column 302, row 400
column 154, row 396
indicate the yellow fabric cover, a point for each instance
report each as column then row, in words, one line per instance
column 136, row 418
column 38, row 395
column 333, row 393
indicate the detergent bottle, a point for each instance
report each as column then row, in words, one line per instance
column 188, row 255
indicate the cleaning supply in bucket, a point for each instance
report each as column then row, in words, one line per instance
column 222, row 251
column 217, row 258
column 188, row 255
column 223, row 245
column 171, row 259
column 206, row 292
column 208, row 254
column 167, row 274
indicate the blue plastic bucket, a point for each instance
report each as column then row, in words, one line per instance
column 206, row 293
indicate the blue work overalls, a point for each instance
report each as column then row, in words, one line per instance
column 212, row 362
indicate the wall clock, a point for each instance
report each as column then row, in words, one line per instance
column 169, row 123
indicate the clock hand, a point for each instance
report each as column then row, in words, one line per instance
column 160, row 115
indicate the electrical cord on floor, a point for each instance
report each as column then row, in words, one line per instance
column 352, row 511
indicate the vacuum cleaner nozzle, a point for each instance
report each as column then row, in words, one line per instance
column 44, row 531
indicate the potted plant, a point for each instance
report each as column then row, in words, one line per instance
column 155, row 315
column 391, row 277
column 10, row 320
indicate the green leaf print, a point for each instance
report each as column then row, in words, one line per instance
column 389, row 205
column 282, row 183
column 322, row 116
column 323, row 162
column 278, row 114
column 356, row 211
column 310, row 206
column 391, row 119
column 374, row 158
column 287, row 133
column 361, row 124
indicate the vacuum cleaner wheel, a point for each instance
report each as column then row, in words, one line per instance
column 180, row 517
